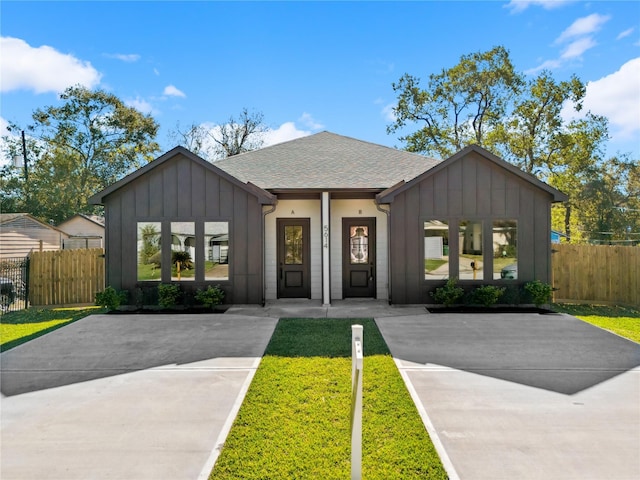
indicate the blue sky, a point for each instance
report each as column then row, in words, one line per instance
column 307, row 66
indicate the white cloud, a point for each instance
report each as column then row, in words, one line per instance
column 626, row 33
column 546, row 65
column 285, row 132
column 172, row 91
column 577, row 39
column 125, row 57
column 617, row 97
column 389, row 113
column 141, row 105
column 41, row 69
column 308, row 121
column 518, row 6
column 583, row 26
column 577, row 48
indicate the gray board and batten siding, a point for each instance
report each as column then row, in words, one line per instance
column 182, row 187
column 471, row 185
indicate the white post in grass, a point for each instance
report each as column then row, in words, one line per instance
column 356, row 402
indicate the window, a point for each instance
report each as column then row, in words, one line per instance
column 359, row 245
column 470, row 244
column 216, row 250
column 183, row 251
column 505, row 249
column 436, row 250
column 149, row 253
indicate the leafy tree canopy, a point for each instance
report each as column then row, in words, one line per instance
column 87, row 143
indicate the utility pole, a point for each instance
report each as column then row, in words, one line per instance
column 24, row 155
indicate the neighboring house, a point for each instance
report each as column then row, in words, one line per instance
column 20, row 234
column 328, row 217
column 85, row 231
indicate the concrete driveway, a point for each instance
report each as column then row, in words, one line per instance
column 126, row 396
column 522, row 396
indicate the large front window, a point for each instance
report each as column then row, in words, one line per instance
column 183, row 241
column 216, row 250
column 436, row 250
column 470, row 244
column 149, row 251
column 505, row 250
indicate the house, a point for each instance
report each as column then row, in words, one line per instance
column 328, row 217
column 21, row 233
column 85, row 231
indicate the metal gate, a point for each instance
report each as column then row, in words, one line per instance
column 14, row 284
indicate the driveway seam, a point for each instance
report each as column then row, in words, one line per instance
column 433, row 433
column 226, row 428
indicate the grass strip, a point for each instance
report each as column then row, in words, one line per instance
column 294, row 422
column 620, row 320
column 19, row 327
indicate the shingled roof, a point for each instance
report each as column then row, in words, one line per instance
column 326, row 161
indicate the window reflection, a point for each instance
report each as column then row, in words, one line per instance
column 149, row 254
column 216, row 250
column 505, row 249
column 436, row 250
column 470, row 259
column 183, row 251
column 293, row 245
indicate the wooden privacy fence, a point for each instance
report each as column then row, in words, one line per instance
column 596, row 274
column 66, row 277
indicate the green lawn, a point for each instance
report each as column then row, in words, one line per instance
column 19, row 327
column 294, row 422
column 620, row 320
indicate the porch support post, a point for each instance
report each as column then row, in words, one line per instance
column 326, row 249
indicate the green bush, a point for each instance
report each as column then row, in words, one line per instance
column 210, row 297
column 168, row 294
column 449, row 294
column 110, row 298
column 487, row 295
column 540, row 292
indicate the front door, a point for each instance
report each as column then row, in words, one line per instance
column 358, row 257
column 293, row 258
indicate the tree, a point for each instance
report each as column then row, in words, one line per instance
column 459, row 106
column 195, row 138
column 89, row 142
column 533, row 133
column 236, row 136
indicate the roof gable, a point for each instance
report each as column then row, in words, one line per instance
column 326, row 161
column 23, row 221
column 263, row 196
column 388, row 195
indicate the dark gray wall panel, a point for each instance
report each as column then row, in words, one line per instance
column 198, row 189
column 183, row 187
column 170, row 190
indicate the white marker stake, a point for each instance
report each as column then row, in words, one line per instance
column 356, row 401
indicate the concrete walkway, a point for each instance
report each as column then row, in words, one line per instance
column 128, row 397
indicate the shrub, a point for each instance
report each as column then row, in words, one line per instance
column 210, row 297
column 449, row 293
column 110, row 298
column 168, row 295
column 540, row 292
column 487, row 295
